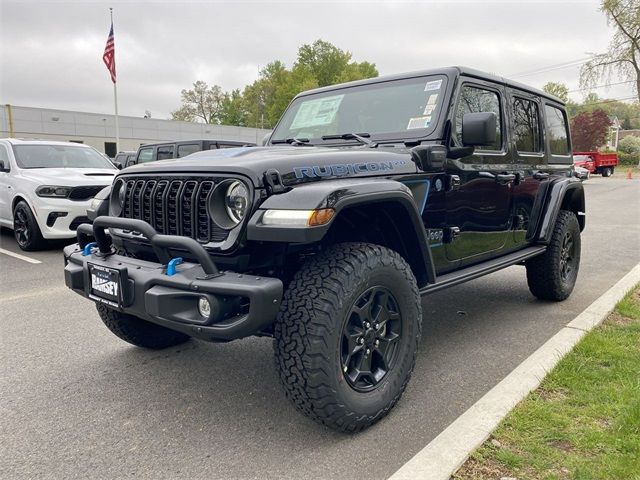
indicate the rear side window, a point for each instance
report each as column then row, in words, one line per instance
column 475, row 99
column 188, row 149
column 164, row 152
column 526, row 126
column 145, row 155
column 557, row 130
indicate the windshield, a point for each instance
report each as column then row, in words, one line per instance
column 397, row 109
column 59, row 156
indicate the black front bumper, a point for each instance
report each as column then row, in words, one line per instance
column 242, row 304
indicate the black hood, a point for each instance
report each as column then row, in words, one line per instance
column 296, row 164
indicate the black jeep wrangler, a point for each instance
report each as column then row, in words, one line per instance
column 366, row 197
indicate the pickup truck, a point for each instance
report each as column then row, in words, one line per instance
column 597, row 162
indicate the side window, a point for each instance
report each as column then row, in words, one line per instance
column 557, row 130
column 188, row 149
column 475, row 99
column 145, row 155
column 4, row 157
column 526, row 126
column 165, row 152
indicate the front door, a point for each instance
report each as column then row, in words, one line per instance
column 478, row 200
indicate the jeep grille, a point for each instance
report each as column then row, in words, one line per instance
column 173, row 206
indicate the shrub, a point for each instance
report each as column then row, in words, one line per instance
column 628, row 159
column 629, row 144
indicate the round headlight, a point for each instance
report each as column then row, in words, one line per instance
column 117, row 198
column 229, row 203
column 236, row 201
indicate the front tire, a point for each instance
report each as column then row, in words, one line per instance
column 347, row 334
column 552, row 275
column 25, row 228
column 139, row 332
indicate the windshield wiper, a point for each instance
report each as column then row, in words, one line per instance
column 291, row 141
column 361, row 137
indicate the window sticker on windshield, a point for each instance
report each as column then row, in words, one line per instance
column 433, row 98
column 313, row 113
column 419, row 122
column 428, row 110
column 433, row 85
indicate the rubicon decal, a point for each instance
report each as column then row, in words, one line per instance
column 345, row 169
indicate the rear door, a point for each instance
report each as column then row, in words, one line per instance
column 6, row 187
column 478, row 202
column 530, row 163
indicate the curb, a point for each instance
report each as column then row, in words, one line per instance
column 450, row 449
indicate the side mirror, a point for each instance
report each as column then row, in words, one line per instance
column 479, row 129
column 3, row 168
column 266, row 138
column 118, row 165
column 430, row 158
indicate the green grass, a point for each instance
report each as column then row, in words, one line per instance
column 583, row 422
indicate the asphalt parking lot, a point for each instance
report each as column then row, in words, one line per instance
column 79, row 403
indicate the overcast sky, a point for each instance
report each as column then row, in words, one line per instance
column 51, row 52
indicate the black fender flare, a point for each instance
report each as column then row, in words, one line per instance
column 339, row 195
column 564, row 193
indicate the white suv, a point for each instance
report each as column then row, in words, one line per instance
column 46, row 187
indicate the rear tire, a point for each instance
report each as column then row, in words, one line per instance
column 25, row 228
column 552, row 275
column 352, row 299
column 139, row 332
column 606, row 172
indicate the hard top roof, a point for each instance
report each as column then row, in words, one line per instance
column 449, row 72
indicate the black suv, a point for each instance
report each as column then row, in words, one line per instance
column 367, row 196
column 151, row 152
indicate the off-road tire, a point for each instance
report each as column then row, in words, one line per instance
column 31, row 238
column 544, row 272
column 139, row 332
column 309, row 329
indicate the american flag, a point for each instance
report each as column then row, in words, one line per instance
column 109, row 55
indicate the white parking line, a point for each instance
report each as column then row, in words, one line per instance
column 449, row 450
column 18, row 256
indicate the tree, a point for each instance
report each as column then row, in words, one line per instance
column 623, row 54
column 232, row 109
column 202, row 103
column 589, row 130
column 560, row 90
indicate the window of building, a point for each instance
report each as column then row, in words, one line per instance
column 526, row 126
column 110, row 149
column 557, row 130
column 145, row 155
column 187, row 149
column 475, row 99
column 165, row 151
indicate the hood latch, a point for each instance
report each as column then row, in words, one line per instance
column 273, row 181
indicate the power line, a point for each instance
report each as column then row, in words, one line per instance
column 600, row 86
column 557, row 66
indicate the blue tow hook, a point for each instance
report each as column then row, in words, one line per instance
column 171, row 266
column 86, row 251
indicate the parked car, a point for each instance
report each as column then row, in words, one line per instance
column 366, row 197
column 161, row 151
column 581, row 173
column 597, row 162
column 46, row 187
column 121, row 159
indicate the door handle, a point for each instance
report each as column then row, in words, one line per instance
column 505, row 178
column 540, row 175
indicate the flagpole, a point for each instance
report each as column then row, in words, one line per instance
column 115, row 96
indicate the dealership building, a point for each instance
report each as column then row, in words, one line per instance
column 98, row 130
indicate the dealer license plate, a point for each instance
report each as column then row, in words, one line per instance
column 105, row 284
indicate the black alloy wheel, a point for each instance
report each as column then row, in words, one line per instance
column 370, row 338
